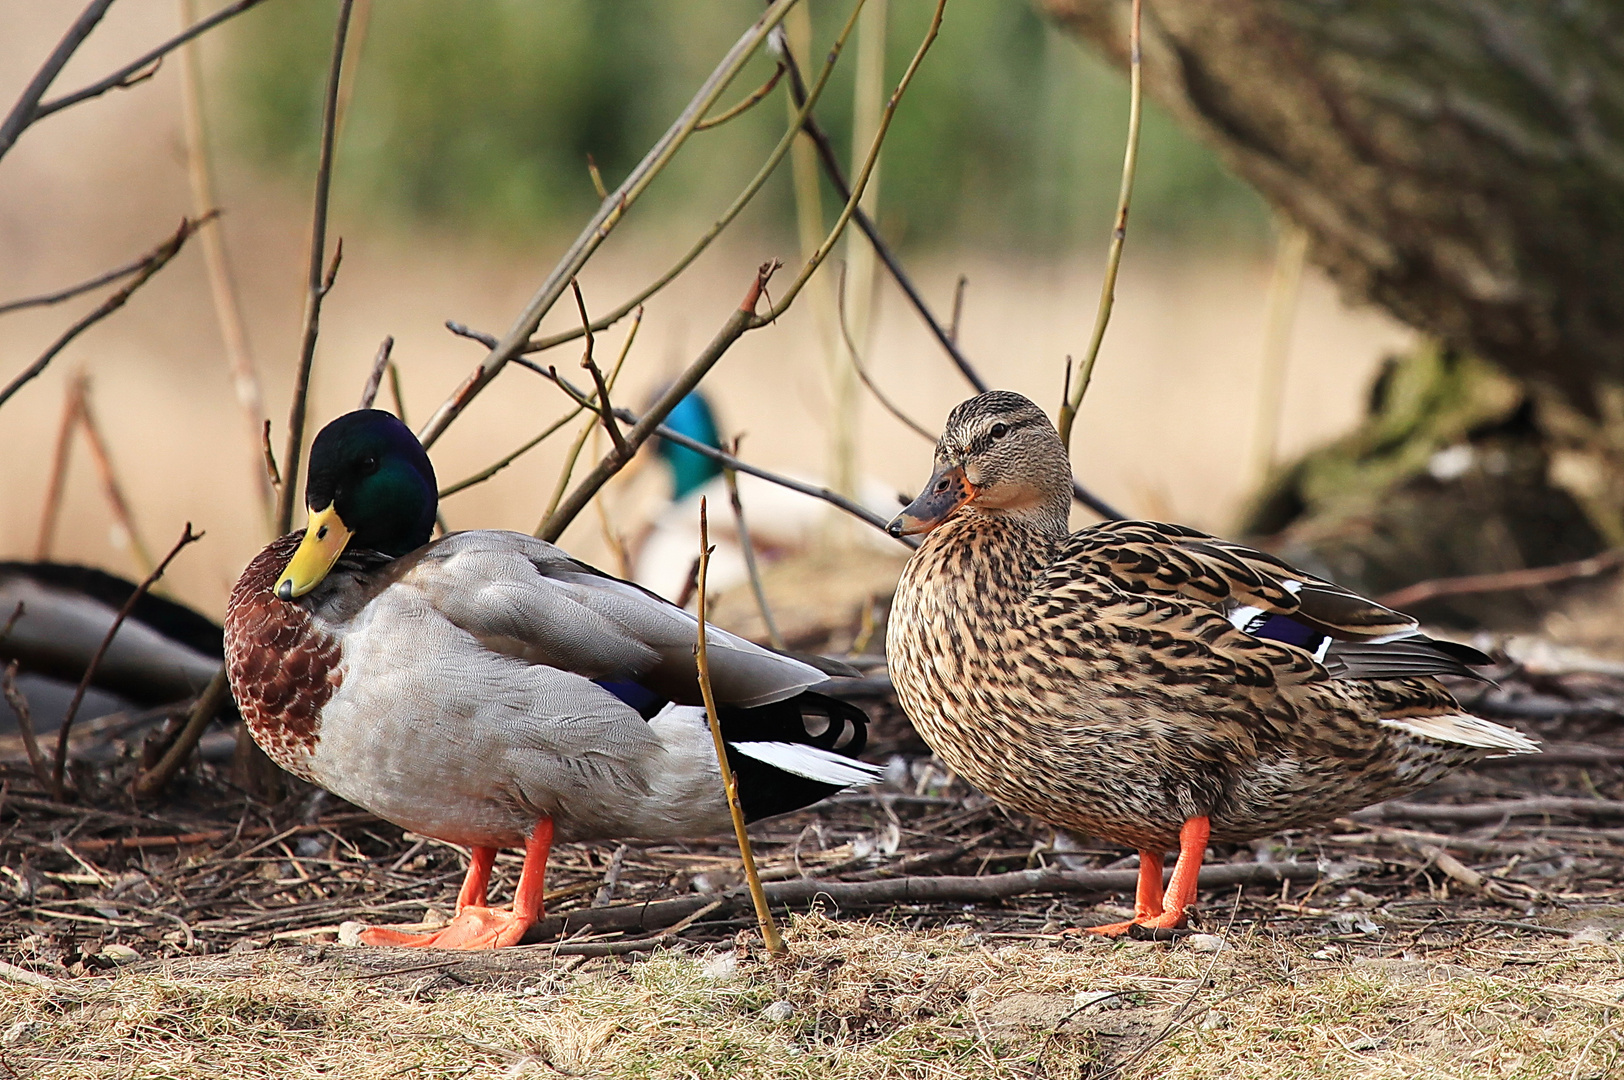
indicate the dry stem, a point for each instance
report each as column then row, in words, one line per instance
column 380, row 362
column 1119, row 232
column 187, row 536
column 748, row 549
column 730, row 783
column 317, row 286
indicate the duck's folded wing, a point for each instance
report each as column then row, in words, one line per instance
column 1267, row 598
column 526, row 598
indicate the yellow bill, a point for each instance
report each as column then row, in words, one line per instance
column 324, row 541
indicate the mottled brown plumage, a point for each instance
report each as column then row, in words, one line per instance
column 1134, row 678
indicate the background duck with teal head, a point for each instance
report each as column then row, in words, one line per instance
column 781, row 522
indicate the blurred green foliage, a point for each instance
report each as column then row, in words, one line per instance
column 481, row 113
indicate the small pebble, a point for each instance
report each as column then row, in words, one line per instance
column 719, row 966
column 1204, row 942
column 119, row 954
column 778, row 1012
column 349, row 933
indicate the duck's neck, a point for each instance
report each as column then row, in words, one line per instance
column 988, row 550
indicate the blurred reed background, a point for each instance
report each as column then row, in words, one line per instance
column 461, row 173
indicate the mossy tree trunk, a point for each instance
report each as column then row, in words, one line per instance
column 1460, row 163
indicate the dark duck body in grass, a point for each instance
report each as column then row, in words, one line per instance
column 1146, row 683
column 489, row 690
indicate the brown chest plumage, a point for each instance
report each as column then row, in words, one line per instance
column 283, row 666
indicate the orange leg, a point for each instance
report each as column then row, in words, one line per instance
column 1147, row 901
column 476, row 925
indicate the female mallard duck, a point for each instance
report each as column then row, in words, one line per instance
column 488, row 690
column 1146, row 683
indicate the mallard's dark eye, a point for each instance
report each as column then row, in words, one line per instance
column 369, row 465
column 998, row 431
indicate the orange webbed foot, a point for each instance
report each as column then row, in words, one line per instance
column 473, row 928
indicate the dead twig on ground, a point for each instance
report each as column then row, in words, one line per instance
column 1506, row 581
column 60, row 765
column 380, row 363
column 25, row 718
column 610, row 212
column 1119, row 233
column 157, row 260
column 1483, row 813
column 730, row 785
column 203, row 712
column 915, row 890
column 317, row 284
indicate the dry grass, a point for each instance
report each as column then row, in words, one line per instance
column 857, row 999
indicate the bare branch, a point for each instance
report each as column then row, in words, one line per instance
column 318, row 285
column 202, row 712
column 380, row 362
column 27, row 110
column 271, row 470
column 1119, row 233
column 111, row 488
column 958, row 309
column 157, row 260
column 744, row 106
column 46, row 299
column 862, row 372
column 1534, row 577
column 606, row 411
column 609, row 214
column 730, row 784
column 25, row 717
column 123, row 76
column 748, row 549
column 187, row 536
column 728, row 461
column 741, row 320
column 54, row 487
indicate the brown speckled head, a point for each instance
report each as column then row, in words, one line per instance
column 999, row 455
column 283, row 666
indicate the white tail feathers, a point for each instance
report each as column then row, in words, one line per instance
column 1463, row 729
column 812, row 762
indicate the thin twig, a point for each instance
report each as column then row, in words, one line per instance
column 57, row 484
column 744, row 106
column 202, row 713
column 396, row 393
column 728, row 461
column 47, row 299
column 271, row 471
column 958, row 309
column 187, row 536
column 26, row 110
column 111, row 488
column 870, row 160
column 748, row 548
column 927, row 889
column 154, row 262
column 609, row 214
column 1488, row 812
column 862, row 371
column 380, row 362
column 606, row 411
column 587, row 403
column 222, row 286
column 501, row 463
column 730, row 783
column 597, row 177
column 1422, row 591
column 133, row 72
column 742, row 318
column 25, row 719
column 316, row 285
column 1119, row 233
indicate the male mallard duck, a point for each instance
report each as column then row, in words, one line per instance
column 781, row 522
column 1146, row 683
column 488, row 690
